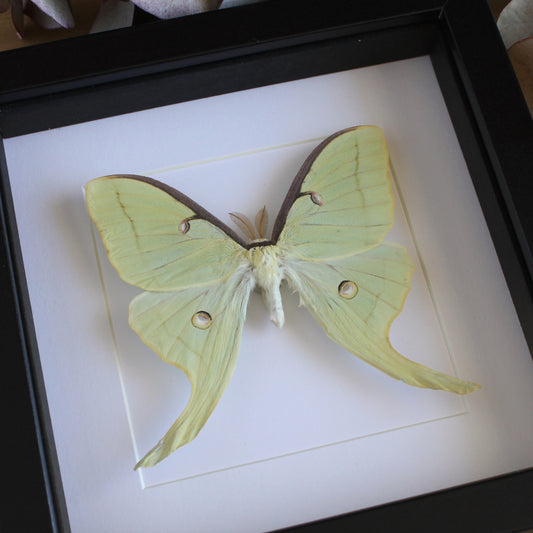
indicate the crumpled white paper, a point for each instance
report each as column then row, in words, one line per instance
column 516, row 22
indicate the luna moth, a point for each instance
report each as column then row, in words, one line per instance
column 197, row 273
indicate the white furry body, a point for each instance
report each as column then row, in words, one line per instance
column 268, row 271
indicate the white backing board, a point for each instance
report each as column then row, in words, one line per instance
column 304, row 430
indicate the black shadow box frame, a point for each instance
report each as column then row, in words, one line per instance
column 165, row 62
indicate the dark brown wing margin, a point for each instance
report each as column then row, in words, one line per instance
column 296, row 185
column 292, row 194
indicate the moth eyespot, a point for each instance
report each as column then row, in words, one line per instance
column 347, row 289
column 201, row 320
column 316, row 198
column 184, row 227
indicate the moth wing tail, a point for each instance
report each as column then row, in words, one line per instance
column 358, row 316
column 207, row 352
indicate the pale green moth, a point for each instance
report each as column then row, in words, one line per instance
column 327, row 243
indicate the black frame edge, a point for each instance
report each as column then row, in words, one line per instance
column 497, row 161
column 492, row 502
column 35, row 490
column 492, row 498
column 507, row 134
column 163, row 45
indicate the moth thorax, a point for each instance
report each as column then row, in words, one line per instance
column 265, row 262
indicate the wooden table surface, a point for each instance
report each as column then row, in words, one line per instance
column 84, row 12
